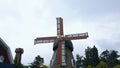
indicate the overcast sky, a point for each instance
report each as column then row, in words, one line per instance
column 21, row 21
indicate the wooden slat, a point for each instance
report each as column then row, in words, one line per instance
column 61, row 26
column 45, row 40
column 76, row 36
column 59, row 52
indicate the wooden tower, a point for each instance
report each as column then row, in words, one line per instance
column 70, row 62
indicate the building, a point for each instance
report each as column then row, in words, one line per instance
column 5, row 53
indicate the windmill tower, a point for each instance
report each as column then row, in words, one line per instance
column 69, row 60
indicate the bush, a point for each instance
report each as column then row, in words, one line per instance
column 89, row 66
column 117, row 66
column 102, row 64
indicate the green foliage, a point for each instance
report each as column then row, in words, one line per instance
column 88, row 58
column 117, row 66
column 79, row 62
column 107, row 59
column 25, row 66
column 92, row 57
column 104, row 56
column 18, row 66
column 113, row 58
column 89, row 66
column 110, row 57
column 95, row 57
column 102, row 64
column 38, row 61
column 44, row 66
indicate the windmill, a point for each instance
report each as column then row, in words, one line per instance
column 60, row 38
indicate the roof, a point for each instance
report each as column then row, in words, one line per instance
column 68, row 44
column 7, row 49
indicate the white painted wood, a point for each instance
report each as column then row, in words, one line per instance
column 73, row 64
column 77, row 35
column 58, row 26
column 43, row 41
column 63, row 54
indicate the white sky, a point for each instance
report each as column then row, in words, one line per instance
column 21, row 21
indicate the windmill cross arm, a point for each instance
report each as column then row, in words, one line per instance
column 45, row 40
column 76, row 36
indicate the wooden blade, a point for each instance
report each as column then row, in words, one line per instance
column 45, row 39
column 59, row 26
column 76, row 36
column 59, row 52
column 63, row 54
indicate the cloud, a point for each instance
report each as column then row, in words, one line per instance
column 109, row 45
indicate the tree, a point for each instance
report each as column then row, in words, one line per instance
column 102, row 64
column 91, row 57
column 44, row 66
column 95, row 58
column 113, row 57
column 104, row 55
column 117, row 66
column 79, row 62
column 89, row 66
column 110, row 57
column 38, row 61
column 88, row 57
column 18, row 66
